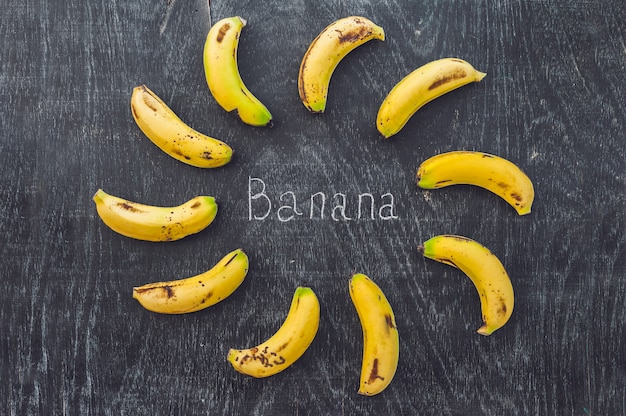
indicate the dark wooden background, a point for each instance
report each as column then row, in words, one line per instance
column 72, row 339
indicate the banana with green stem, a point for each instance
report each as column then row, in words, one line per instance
column 496, row 174
column 222, row 73
column 155, row 223
column 420, row 87
column 381, row 343
column 198, row 292
column 326, row 51
column 170, row 134
column 287, row 345
column 484, row 270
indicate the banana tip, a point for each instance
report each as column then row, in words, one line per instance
column 98, row 195
column 365, row 393
column 484, row 330
column 232, row 355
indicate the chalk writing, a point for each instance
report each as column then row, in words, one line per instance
column 288, row 206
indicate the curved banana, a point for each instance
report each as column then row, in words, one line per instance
column 159, row 123
column 197, row 292
column 420, row 87
column 288, row 344
column 222, row 73
column 326, row 51
column 490, row 172
column 483, row 268
column 151, row 223
column 381, row 344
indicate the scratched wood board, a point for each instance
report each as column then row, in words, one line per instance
column 73, row 341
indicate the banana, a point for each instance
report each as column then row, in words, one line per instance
column 288, row 344
column 151, row 223
column 326, row 51
column 490, row 172
column 483, row 268
column 420, row 87
column 197, row 292
column 163, row 127
column 222, row 73
column 381, row 343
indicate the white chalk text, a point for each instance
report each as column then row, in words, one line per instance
column 287, row 206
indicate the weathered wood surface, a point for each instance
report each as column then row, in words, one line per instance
column 72, row 339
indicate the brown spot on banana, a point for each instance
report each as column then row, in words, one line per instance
column 167, row 290
column 283, row 346
column 179, row 152
column 456, row 74
column 374, row 372
column 302, row 90
column 128, row 207
column 195, row 205
column 207, row 297
column 353, row 35
column 501, row 310
column 222, row 32
column 149, row 98
column 389, row 321
column 231, row 259
column 170, row 292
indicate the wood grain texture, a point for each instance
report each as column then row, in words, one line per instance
column 72, row 339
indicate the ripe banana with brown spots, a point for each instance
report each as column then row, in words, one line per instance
column 484, row 269
column 195, row 293
column 419, row 88
column 381, row 344
column 324, row 54
column 287, row 345
column 166, row 130
column 153, row 223
column 487, row 171
column 222, row 73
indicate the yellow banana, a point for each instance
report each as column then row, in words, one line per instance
column 325, row 53
column 151, row 223
column 159, row 123
column 381, row 345
column 483, row 268
column 222, row 73
column 288, row 344
column 490, row 172
column 420, row 87
column 197, row 292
